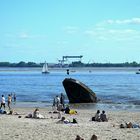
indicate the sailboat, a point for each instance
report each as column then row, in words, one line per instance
column 45, row 68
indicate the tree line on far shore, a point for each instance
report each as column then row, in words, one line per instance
column 73, row 64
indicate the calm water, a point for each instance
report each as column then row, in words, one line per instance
column 112, row 87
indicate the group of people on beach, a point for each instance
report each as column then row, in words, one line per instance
column 59, row 100
column 100, row 117
column 59, row 105
column 11, row 97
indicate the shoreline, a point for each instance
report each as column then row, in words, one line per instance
column 84, row 106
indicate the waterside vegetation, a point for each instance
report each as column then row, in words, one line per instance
column 73, row 64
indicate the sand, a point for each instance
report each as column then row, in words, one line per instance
column 14, row 128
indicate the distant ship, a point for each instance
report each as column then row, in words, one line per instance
column 45, row 68
column 138, row 72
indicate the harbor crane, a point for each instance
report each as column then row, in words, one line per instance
column 65, row 58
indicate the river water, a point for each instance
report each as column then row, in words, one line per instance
column 114, row 87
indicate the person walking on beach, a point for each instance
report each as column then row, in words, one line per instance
column 9, row 101
column 15, row 98
column 57, row 100
column 2, row 102
column 62, row 100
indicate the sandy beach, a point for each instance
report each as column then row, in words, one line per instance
column 12, row 127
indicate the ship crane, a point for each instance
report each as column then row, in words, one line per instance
column 65, row 58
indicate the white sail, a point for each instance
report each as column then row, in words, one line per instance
column 45, row 68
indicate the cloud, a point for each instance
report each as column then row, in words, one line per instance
column 114, row 31
column 71, row 29
column 105, row 34
column 124, row 21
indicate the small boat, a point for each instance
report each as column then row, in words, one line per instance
column 138, row 72
column 45, row 68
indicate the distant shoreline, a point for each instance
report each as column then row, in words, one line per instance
column 71, row 68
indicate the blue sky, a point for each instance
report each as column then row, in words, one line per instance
column 100, row 30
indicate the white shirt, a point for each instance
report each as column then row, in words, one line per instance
column 3, row 100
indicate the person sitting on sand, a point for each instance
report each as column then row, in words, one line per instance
column 67, row 110
column 37, row 115
column 12, row 112
column 129, row 125
column 63, row 121
column 126, row 125
column 29, row 116
column 97, row 116
column 2, row 111
column 103, row 117
column 94, row 137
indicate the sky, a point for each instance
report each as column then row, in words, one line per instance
column 45, row 30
